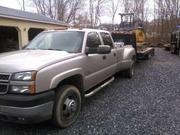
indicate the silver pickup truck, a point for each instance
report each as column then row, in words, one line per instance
column 50, row 77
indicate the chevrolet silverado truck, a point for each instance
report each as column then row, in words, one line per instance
column 52, row 75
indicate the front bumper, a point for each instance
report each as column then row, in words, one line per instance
column 26, row 108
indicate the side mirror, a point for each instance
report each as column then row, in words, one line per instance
column 102, row 49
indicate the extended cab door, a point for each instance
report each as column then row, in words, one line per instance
column 96, row 65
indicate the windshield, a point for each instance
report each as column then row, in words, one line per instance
column 69, row 41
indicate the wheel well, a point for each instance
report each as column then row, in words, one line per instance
column 76, row 80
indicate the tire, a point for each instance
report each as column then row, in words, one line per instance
column 130, row 72
column 153, row 53
column 172, row 49
column 67, row 106
column 176, row 51
column 146, row 57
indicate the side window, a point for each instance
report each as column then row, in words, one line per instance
column 93, row 40
column 107, row 39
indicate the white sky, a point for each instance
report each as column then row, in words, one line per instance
column 105, row 19
column 10, row 3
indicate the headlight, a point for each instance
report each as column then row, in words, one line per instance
column 24, row 76
column 30, row 89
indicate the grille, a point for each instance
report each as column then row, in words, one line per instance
column 4, row 83
column 3, row 88
column 4, row 77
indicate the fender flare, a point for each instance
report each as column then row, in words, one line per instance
column 64, row 75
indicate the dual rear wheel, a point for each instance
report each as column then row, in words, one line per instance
column 130, row 72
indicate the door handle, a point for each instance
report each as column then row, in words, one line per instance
column 114, row 54
column 104, row 57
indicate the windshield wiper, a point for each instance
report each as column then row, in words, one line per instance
column 53, row 49
column 43, row 49
column 30, row 48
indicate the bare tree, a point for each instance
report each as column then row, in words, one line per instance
column 166, row 17
column 73, row 6
column 21, row 4
column 114, row 4
column 96, row 7
column 82, row 21
column 127, row 6
column 63, row 10
column 41, row 6
column 137, row 7
column 45, row 7
column 50, row 9
column 91, row 12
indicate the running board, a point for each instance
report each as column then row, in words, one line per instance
column 99, row 88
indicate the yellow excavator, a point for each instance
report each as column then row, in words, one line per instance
column 135, row 35
column 140, row 35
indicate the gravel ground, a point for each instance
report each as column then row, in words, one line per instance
column 147, row 104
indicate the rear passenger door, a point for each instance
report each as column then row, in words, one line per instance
column 111, row 58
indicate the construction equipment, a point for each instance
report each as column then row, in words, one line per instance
column 132, row 33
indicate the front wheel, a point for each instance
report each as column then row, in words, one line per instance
column 67, row 106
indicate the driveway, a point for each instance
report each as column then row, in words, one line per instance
column 147, row 104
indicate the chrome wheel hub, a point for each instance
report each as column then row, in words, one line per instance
column 71, row 105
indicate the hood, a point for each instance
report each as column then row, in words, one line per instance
column 26, row 60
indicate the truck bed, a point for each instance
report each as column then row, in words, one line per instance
column 145, row 53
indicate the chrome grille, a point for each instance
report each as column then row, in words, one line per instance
column 4, row 82
column 4, row 77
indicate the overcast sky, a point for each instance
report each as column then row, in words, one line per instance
column 105, row 18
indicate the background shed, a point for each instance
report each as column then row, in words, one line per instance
column 17, row 27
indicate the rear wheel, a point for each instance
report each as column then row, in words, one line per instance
column 67, row 106
column 172, row 49
column 146, row 56
column 130, row 72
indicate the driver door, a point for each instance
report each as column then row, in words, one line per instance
column 94, row 63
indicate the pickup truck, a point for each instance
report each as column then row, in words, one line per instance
column 52, row 75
